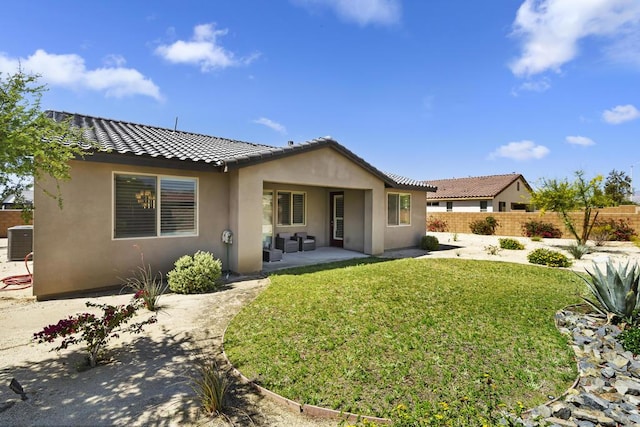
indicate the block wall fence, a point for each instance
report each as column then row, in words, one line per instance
column 510, row 223
column 10, row 218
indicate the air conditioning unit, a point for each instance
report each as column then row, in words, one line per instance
column 20, row 242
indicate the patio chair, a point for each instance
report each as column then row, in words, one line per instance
column 269, row 253
column 305, row 242
column 286, row 243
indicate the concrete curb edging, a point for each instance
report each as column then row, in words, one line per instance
column 301, row 408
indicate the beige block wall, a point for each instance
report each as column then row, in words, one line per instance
column 10, row 218
column 510, row 223
column 74, row 247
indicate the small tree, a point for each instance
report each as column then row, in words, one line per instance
column 31, row 144
column 617, row 187
column 564, row 197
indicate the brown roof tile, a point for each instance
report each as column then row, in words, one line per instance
column 474, row 187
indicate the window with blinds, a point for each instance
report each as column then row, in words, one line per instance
column 291, row 208
column 139, row 212
column 398, row 209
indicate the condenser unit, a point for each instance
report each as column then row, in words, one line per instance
column 20, row 242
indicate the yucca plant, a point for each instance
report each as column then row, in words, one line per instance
column 615, row 290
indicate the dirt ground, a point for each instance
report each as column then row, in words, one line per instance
column 147, row 380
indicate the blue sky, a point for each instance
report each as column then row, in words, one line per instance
column 426, row 89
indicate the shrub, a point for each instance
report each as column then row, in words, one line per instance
column 195, row 274
column 437, row 225
column 210, row 385
column 578, row 250
column 600, row 234
column 429, row 243
column 511, row 244
column 94, row 331
column 147, row 285
column 630, row 340
column 485, row 226
column 542, row 229
column 536, row 239
column 616, row 290
column 619, row 231
column 549, row 258
column 492, row 249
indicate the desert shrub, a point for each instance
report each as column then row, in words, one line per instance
column 578, row 250
column 95, row 331
column 485, row 227
column 211, row 386
column 146, row 285
column 492, row 249
column 600, row 234
column 542, row 229
column 630, row 340
column 429, row 243
column 549, row 258
column 619, row 231
column 437, row 225
column 536, row 239
column 195, row 274
column 510, row 244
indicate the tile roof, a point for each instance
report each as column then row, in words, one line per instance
column 473, row 187
column 125, row 138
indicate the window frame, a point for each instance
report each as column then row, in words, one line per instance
column 158, row 205
column 292, row 215
column 449, row 206
column 484, row 205
column 399, row 209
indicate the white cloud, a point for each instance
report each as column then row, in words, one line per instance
column 621, row 114
column 540, row 85
column 203, row 49
column 362, row 12
column 70, row 71
column 551, row 29
column 520, row 150
column 271, row 124
column 580, row 140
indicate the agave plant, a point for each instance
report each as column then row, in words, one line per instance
column 615, row 290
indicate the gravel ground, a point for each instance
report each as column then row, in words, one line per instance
column 147, row 380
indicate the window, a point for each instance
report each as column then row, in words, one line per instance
column 518, row 186
column 139, row 213
column 483, row 206
column 433, row 203
column 449, row 206
column 291, row 208
column 398, row 209
column 502, row 206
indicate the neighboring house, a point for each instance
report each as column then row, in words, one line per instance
column 168, row 193
column 492, row 193
column 15, row 202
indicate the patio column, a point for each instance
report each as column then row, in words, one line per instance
column 245, row 213
column 374, row 206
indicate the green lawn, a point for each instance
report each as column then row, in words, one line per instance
column 364, row 338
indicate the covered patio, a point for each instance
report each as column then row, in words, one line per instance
column 321, row 255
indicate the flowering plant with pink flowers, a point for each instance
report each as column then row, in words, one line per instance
column 93, row 330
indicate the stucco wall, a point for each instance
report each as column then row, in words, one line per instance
column 75, row 249
column 403, row 236
column 511, row 194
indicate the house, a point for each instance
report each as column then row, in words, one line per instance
column 18, row 201
column 492, row 193
column 167, row 193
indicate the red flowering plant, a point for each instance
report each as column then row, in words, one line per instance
column 93, row 330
